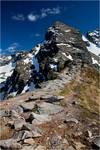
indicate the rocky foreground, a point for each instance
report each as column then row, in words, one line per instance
column 51, row 95
column 54, row 118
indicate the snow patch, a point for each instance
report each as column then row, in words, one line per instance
column 63, row 44
column 6, row 71
column 92, row 48
column 55, row 59
column 37, row 48
column 68, row 56
column 95, row 61
column 25, row 89
column 35, row 63
column 67, row 30
column 30, row 55
column 27, row 60
column 53, row 66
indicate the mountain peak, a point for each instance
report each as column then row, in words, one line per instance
column 63, row 48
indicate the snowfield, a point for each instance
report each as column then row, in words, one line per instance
column 6, row 71
column 92, row 48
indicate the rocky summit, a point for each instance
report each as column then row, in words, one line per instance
column 50, row 94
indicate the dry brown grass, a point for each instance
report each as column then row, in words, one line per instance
column 86, row 90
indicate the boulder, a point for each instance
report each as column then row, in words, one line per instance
column 51, row 99
column 29, row 141
column 10, row 144
column 22, row 135
column 27, row 106
column 39, row 118
column 70, row 119
column 40, row 147
column 29, row 147
column 18, row 123
column 48, row 108
column 36, row 132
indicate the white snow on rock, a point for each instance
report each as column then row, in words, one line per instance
column 92, row 48
column 13, row 94
column 25, row 89
column 63, row 44
column 32, row 59
column 52, row 29
column 30, row 55
column 53, row 66
column 27, row 60
column 35, row 63
column 37, row 48
column 6, row 71
column 95, row 61
column 68, row 56
column 55, row 59
column 67, row 30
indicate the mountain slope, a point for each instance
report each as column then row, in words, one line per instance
column 63, row 47
column 55, row 95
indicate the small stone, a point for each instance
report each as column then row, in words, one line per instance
column 10, row 144
column 28, row 106
column 79, row 145
column 29, row 147
column 29, row 141
column 33, row 98
column 21, row 135
column 70, row 119
column 10, row 123
column 36, row 132
column 51, row 99
column 3, row 113
column 65, row 142
column 38, row 118
column 40, row 148
column 96, row 142
column 14, row 114
column 48, row 108
column 70, row 148
column 19, row 109
column 18, row 124
column 27, row 127
column 88, row 134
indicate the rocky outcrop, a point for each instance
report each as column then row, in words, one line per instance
column 63, row 47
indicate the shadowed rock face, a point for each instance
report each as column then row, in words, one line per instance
column 63, row 46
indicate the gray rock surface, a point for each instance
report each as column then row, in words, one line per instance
column 96, row 141
column 48, row 108
column 10, row 144
column 27, row 106
column 39, row 118
column 18, row 123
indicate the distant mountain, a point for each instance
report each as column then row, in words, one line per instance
column 93, row 41
column 94, row 37
column 63, row 47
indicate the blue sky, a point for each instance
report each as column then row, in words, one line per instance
column 24, row 23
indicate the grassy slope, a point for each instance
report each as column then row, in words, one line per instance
column 86, row 89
